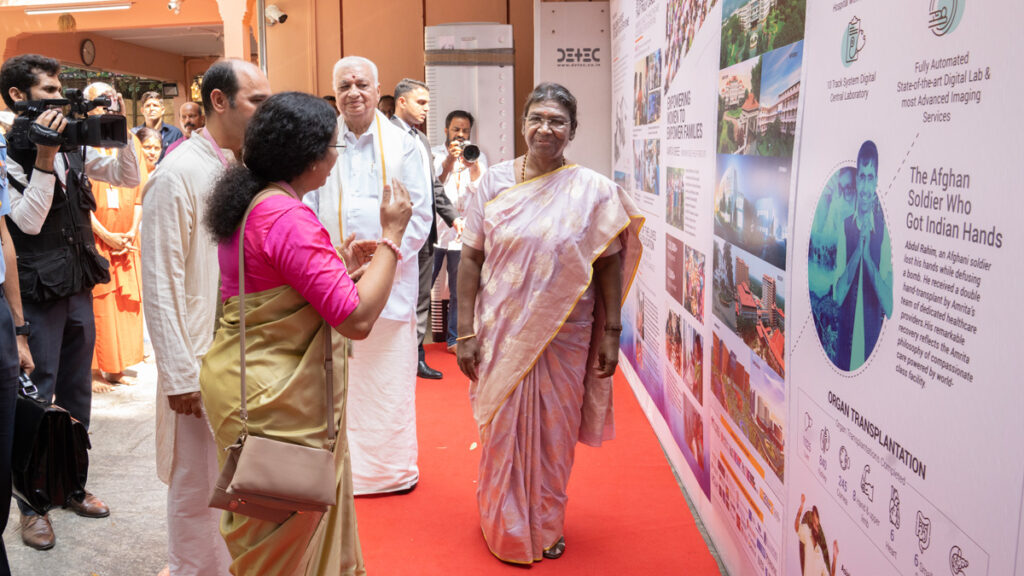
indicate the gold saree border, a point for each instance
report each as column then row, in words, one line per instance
column 590, row 280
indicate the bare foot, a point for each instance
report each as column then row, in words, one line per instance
column 101, row 387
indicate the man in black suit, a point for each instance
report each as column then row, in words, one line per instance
column 412, row 103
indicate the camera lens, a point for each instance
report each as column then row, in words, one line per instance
column 471, row 152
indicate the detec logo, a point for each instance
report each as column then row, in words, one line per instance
column 578, row 57
column 944, row 15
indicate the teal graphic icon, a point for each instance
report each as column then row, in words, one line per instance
column 853, row 41
column 944, row 15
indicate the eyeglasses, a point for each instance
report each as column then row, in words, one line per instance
column 557, row 124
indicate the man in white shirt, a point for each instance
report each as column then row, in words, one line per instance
column 180, row 276
column 382, row 370
column 459, row 175
column 412, row 99
column 50, row 227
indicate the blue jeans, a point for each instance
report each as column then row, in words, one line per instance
column 453, row 257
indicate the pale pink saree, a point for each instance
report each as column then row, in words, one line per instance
column 538, row 321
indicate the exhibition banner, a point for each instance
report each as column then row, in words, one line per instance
column 821, row 329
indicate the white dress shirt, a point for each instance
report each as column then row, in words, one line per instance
column 458, row 187
column 356, row 182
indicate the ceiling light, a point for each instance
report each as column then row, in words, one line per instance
column 78, row 8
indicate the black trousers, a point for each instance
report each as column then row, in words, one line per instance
column 426, row 261
column 62, row 342
column 10, row 367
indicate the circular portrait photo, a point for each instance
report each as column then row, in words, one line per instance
column 849, row 263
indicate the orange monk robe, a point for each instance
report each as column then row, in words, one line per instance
column 117, row 304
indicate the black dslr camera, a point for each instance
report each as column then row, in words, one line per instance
column 103, row 131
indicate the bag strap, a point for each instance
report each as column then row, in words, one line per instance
column 328, row 355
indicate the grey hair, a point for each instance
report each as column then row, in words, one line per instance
column 96, row 89
column 550, row 91
column 352, row 61
column 408, row 85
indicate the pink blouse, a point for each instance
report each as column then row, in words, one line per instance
column 286, row 244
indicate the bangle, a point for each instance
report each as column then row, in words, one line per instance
column 392, row 246
column 466, row 337
column 613, row 327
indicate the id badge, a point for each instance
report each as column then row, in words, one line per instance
column 113, row 198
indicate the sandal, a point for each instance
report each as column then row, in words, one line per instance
column 556, row 550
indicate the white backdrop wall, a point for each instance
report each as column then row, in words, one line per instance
column 574, row 49
column 822, row 330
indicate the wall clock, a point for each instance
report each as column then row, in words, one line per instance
column 88, row 52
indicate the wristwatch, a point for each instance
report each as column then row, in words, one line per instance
column 23, row 330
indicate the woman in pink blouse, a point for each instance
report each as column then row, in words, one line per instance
column 298, row 292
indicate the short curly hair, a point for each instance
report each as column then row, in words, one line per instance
column 21, row 72
column 288, row 133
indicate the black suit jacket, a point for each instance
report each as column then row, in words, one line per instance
column 440, row 204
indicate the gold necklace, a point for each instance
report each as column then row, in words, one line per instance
column 526, row 157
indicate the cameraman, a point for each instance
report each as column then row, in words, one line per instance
column 459, row 175
column 58, row 265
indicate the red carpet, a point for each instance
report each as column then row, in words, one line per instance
column 626, row 513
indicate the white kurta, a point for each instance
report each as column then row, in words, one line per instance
column 382, row 374
column 180, row 276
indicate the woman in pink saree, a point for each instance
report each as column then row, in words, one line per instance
column 550, row 249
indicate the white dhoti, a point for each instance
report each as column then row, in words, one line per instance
column 194, row 543
column 382, row 408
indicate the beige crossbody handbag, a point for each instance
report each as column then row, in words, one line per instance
column 272, row 479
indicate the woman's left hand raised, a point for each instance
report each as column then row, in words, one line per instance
column 608, row 355
column 356, row 253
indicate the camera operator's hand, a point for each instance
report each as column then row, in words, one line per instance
column 118, row 103
column 455, row 149
column 448, row 164
column 52, row 120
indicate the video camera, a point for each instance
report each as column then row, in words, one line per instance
column 103, row 131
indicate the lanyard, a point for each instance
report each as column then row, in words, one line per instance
column 383, row 182
column 216, row 147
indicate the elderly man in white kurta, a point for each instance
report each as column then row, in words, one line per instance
column 180, row 277
column 382, row 371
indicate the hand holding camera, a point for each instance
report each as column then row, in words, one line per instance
column 52, row 124
column 465, row 150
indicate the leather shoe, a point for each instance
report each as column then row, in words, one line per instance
column 37, row 532
column 424, row 371
column 89, row 507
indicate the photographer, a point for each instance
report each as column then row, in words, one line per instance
column 460, row 166
column 58, row 265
